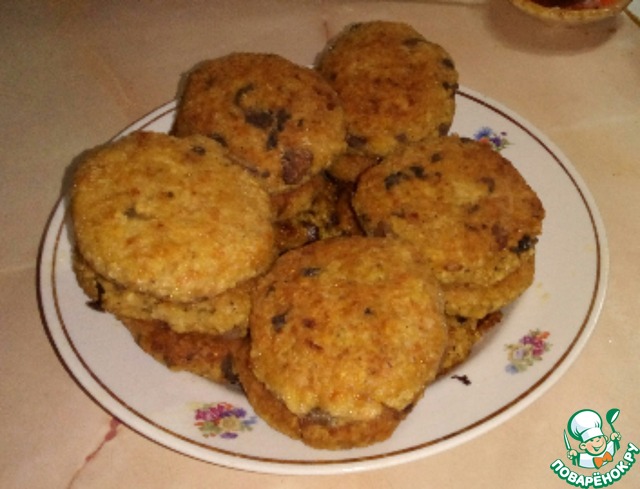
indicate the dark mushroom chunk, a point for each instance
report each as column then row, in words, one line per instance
column 262, row 119
column 524, row 244
column 311, row 271
column 295, row 164
column 356, row 142
column 278, row 321
column 394, row 179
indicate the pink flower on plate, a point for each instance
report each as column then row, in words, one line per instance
column 222, row 419
column 528, row 350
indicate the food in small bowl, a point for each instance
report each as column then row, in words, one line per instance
column 571, row 12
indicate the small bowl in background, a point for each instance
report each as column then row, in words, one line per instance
column 570, row 12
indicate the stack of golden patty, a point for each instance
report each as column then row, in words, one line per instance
column 316, row 235
column 469, row 213
column 171, row 231
column 396, row 87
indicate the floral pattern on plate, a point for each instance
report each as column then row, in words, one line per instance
column 497, row 140
column 527, row 351
column 222, row 419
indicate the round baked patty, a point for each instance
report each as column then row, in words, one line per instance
column 395, row 86
column 170, row 217
column 280, row 120
column 347, row 331
column 464, row 206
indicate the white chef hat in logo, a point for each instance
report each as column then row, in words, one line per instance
column 585, row 424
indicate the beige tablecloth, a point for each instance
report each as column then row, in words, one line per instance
column 74, row 73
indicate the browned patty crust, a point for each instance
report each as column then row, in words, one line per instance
column 318, row 209
column 476, row 301
column 226, row 313
column 317, row 429
column 280, row 120
column 209, row 356
column 464, row 335
column 463, row 205
column 395, row 85
column 320, row 317
column 171, row 217
column 350, row 165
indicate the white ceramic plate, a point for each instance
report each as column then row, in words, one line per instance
column 541, row 335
